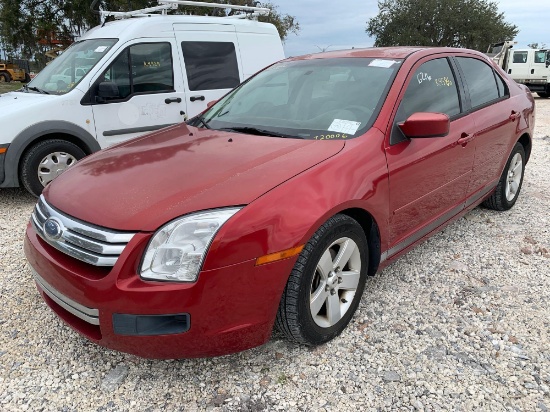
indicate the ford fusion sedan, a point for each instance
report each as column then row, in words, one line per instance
column 272, row 207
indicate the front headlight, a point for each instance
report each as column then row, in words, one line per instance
column 177, row 250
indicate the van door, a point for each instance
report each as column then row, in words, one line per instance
column 212, row 64
column 138, row 92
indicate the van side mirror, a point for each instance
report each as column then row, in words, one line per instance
column 108, row 90
column 426, row 125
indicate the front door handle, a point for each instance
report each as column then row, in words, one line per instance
column 465, row 138
column 513, row 116
column 194, row 98
column 172, row 100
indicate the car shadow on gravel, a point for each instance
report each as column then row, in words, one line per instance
column 17, row 195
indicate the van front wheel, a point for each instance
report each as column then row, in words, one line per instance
column 46, row 160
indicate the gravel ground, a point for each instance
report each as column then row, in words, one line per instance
column 461, row 323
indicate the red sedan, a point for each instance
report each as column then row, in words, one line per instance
column 274, row 205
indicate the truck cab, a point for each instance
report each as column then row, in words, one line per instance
column 530, row 67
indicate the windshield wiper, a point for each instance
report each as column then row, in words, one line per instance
column 259, row 132
column 203, row 122
column 36, row 89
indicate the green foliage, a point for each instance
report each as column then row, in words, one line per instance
column 23, row 23
column 453, row 23
column 537, row 45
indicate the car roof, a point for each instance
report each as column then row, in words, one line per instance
column 385, row 52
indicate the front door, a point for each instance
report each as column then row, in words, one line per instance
column 139, row 91
column 211, row 63
column 428, row 177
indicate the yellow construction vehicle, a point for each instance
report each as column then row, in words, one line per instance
column 9, row 72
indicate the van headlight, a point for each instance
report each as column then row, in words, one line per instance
column 177, row 250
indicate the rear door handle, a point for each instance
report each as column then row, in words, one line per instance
column 194, row 98
column 172, row 100
column 465, row 138
column 513, row 116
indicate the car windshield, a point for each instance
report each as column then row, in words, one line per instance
column 309, row 99
column 68, row 69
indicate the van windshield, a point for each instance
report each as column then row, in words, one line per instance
column 316, row 99
column 71, row 66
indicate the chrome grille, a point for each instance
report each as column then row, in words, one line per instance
column 91, row 244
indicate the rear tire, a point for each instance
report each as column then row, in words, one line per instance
column 509, row 185
column 46, row 160
column 27, row 78
column 543, row 95
column 326, row 284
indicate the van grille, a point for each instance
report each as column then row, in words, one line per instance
column 89, row 243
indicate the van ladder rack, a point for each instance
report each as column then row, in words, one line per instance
column 165, row 5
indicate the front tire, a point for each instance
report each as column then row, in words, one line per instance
column 509, row 185
column 326, row 284
column 46, row 160
column 5, row 78
column 543, row 95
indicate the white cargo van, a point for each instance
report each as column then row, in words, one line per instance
column 121, row 80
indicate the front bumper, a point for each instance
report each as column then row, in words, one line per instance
column 228, row 309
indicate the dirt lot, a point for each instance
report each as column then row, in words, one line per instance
column 461, row 323
column 8, row 87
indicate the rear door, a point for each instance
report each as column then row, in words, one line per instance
column 518, row 67
column 428, row 177
column 211, row 62
column 496, row 121
column 145, row 92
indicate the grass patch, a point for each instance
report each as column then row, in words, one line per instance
column 8, row 87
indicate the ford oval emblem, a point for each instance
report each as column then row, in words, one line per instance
column 53, row 229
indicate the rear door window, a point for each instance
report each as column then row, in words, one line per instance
column 210, row 65
column 520, row 57
column 481, row 81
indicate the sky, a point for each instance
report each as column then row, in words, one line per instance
column 333, row 25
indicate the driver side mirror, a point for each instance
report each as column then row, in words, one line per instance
column 420, row 125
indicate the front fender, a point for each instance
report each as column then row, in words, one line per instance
column 289, row 214
column 35, row 133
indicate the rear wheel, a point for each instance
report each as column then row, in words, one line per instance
column 326, row 284
column 27, row 78
column 45, row 161
column 509, row 185
column 543, row 95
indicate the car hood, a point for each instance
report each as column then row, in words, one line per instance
column 144, row 183
column 12, row 103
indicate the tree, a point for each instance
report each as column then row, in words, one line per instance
column 27, row 27
column 537, row 46
column 454, row 23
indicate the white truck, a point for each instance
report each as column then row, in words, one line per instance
column 123, row 79
column 530, row 67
